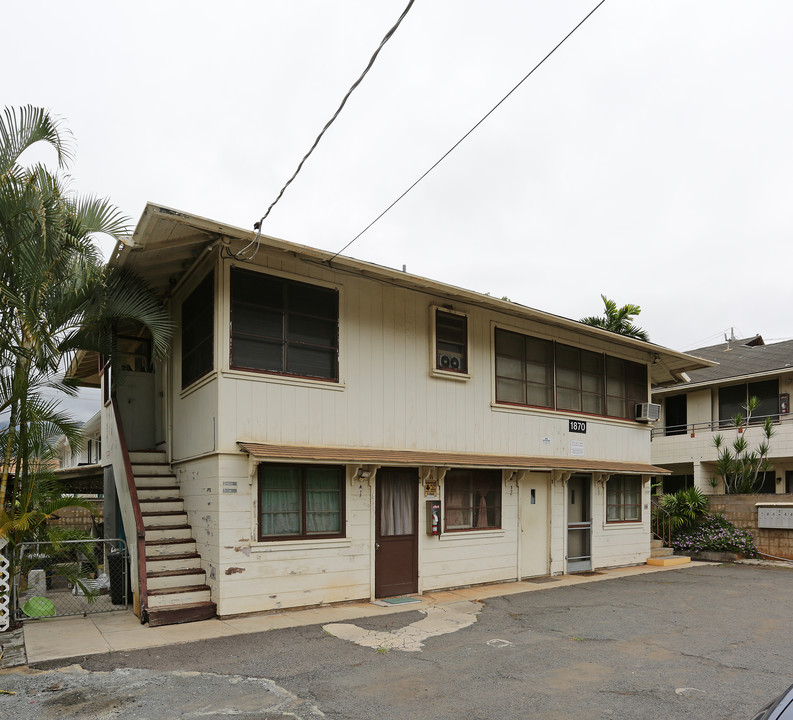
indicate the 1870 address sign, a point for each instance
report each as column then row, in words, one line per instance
column 578, row 426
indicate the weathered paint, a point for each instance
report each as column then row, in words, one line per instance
column 387, row 397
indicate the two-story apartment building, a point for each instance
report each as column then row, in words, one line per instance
column 328, row 430
column 694, row 412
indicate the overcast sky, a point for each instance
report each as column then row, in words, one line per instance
column 650, row 158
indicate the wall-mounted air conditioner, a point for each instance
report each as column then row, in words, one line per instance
column 648, row 412
column 450, row 361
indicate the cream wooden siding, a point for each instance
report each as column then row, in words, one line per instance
column 469, row 557
column 256, row 576
column 199, row 483
column 386, row 396
column 615, row 544
column 196, row 418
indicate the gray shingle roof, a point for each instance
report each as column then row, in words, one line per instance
column 749, row 356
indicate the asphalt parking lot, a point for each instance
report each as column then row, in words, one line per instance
column 700, row 642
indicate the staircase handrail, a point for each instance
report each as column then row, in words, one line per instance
column 140, row 530
column 660, row 522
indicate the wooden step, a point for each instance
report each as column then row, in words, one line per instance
column 143, row 457
column 169, row 532
column 165, row 547
column 171, row 561
column 161, row 506
column 174, row 579
column 188, row 612
column 158, row 492
column 154, row 520
column 143, row 481
column 152, row 470
column 164, row 597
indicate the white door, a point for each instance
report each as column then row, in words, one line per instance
column 534, row 525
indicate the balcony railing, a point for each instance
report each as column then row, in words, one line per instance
column 714, row 425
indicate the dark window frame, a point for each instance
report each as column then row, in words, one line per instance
column 196, row 308
column 583, row 394
column 303, row 535
column 454, row 345
column 288, row 315
column 758, row 417
column 549, row 386
column 622, row 505
column 477, row 480
column 632, row 385
column 676, row 408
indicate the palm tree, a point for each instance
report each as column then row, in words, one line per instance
column 56, row 295
column 618, row 320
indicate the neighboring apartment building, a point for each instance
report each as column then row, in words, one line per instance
column 89, row 453
column 694, row 412
column 328, row 430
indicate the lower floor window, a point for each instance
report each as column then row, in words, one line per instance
column 624, row 498
column 472, row 499
column 300, row 501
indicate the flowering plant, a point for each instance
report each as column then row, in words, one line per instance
column 715, row 533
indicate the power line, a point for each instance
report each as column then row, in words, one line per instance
column 487, row 115
column 386, row 38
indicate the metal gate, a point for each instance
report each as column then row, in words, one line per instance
column 73, row 577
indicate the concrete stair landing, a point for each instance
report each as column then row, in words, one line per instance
column 176, row 587
column 664, row 556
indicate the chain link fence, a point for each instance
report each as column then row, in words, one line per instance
column 74, row 577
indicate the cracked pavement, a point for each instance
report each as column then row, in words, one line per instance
column 706, row 642
column 438, row 620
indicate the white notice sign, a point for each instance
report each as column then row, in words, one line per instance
column 576, row 447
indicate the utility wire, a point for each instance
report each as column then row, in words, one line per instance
column 487, row 115
column 258, row 225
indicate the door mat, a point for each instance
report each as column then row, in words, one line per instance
column 540, row 580
column 587, row 573
column 404, row 600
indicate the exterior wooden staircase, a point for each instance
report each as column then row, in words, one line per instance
column 176, row 588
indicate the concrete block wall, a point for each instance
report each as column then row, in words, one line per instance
column 741, row 510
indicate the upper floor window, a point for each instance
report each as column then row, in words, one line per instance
column 198, row 331
column 542, row 373
column 734, row 399
column 626, row 386
column 524, row 369
column 283, row 326
column 676, row 415
column 451, row 341
column 579, row 380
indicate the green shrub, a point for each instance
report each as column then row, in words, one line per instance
column 716, row 534
column 685, row 507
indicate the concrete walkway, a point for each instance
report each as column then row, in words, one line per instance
column 69, row 637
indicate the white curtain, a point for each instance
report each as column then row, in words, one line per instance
column 397, row 513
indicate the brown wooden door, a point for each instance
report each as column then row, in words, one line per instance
column 396, row 532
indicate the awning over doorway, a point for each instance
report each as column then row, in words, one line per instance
column 376, row 456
